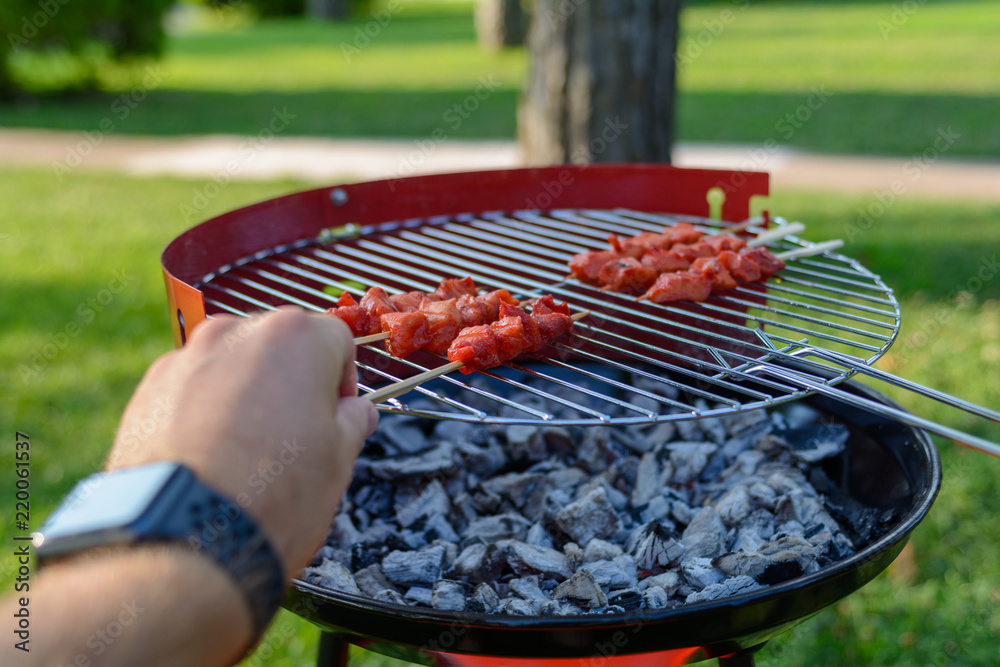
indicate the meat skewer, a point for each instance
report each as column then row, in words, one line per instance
column 709, row 274
column 400, row 388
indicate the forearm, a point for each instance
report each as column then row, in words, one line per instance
column 152, row 606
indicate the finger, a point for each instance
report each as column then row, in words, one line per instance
column 358, row 419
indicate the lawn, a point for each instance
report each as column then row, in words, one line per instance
column 813, row 74
column 64, row 246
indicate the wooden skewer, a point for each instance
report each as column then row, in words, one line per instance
column 775, row 234
column 400, row 388
column 809, row 251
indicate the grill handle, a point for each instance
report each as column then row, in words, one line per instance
column 962, row 438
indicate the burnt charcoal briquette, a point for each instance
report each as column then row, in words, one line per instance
column 629, row 599
column 581, row 589
column 589, row 517
column 362, row 557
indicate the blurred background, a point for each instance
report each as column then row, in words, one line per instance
column 123, row 123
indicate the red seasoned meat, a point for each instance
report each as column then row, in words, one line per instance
column 376, row 303
column 769, row 264
column 553, row 319
column 636, row 245
column 477, row 347
column 626, row 275
column 407, row 332
column 586, row 266
column 715, row 270
column 452, row 288
column 474, row 311
column 693, row 251
column 407, row 302
column 510, row 336
column 532, row 334
column 722, row 242
column 679, row 286
column 353, row 315
column 663, row 261
column 739, row 266
column 682, row 232
column 444, row 321
column 492, row 301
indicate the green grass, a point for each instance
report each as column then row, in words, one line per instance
column 742, row 73
column 62, row 244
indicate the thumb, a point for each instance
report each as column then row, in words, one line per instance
column 358, row 419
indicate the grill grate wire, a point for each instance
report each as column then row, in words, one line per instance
column 627, row 363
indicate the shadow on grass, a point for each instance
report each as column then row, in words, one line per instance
column 864, row 123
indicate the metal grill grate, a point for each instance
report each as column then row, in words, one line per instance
column 628, row 362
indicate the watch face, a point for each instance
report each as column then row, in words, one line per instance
column 106, row 502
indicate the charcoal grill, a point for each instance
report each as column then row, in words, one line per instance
column 808, row 330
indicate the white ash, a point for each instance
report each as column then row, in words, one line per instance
column 526, row 520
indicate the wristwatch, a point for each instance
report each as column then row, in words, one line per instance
column 164, row 502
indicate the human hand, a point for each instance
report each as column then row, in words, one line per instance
column 266, row 411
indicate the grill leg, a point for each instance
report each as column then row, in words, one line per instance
column 332, row 651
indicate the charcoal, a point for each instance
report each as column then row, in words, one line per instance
column 402, row 435
column 527, row 589
column 481, row 460
column 524, row 559
column 539, row 537
column 614, row 574
column 618, row 500
column 485, row 597
column 449, row 595
column 343, row 531
column 689, row 459
column 655, row 386
column 647, row 480
column 500, row 527
column 739, row 423
column 461, row 432
column 598, row 549
column 415, row 567
column 581, row 589
column 779, row 560
column 331, row 574
column 657, row 508
column 559, row 608
column 762, row 495
column 574, row 556
column 812, row 444
column 420, row 595
column 732, row 586
column 371, row 581
column 797, row 415
column 655, row 546
column 705, row 536
column 480, row 562
column 700, row 572
column 712, row 427
column 466, row 507
column 567, row 478
column 558, row 439
column 756, row 530
column 690, row 430
column 433, row 499
column 589, row 517
column 669, row 582
column 485, row 502
column 390, row 596
column 517, row 607
column 438, row 528
column 428, row 463
column 734, row 506
column 628, row 599
column 654, row 597
column 516, row 488
column 526, row 443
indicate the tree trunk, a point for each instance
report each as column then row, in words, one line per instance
column 602, row 82
column 499, row 23
column 336, row 10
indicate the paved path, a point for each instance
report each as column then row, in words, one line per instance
column 338, row 160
